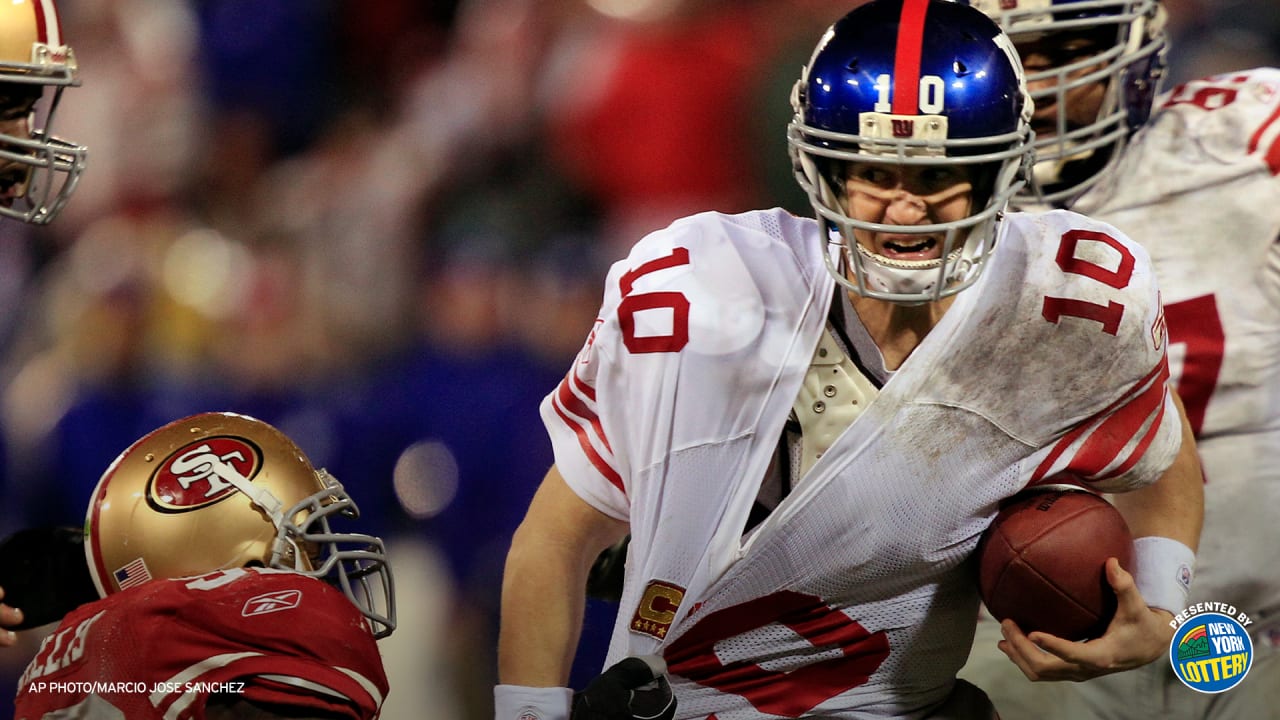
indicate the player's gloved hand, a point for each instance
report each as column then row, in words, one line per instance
column 9, row 617
column 43, row 571
column 604, row 581
column 635, row 688
column 1137, row 635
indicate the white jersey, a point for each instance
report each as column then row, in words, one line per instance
column 1199, row 188
column 853, row 598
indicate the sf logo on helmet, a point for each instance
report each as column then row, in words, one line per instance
column 201, row 473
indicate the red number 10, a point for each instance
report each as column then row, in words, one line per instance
column 675, row 301
column 1111, row 313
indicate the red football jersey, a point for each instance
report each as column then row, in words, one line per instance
column 161, row 649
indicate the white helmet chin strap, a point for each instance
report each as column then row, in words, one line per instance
column 257, row 494
column 903, row 277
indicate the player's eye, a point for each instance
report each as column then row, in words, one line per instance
column 940, row 178
column 873, row 175
column 1075, row 52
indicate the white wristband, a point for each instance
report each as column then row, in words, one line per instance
column 1162, row 569
column 517, row 702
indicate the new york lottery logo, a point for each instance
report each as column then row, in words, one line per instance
column 1211, row 652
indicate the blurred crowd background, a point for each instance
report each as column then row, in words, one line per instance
column 384, row 227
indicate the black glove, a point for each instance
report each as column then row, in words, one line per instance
column 633, row 689
column 604, row 582
column 44, row 573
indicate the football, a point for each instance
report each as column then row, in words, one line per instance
column 1042, row 562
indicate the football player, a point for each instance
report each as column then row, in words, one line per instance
column 38, row 171
column 1191, row 175
column 807, row 424
column 225, row 592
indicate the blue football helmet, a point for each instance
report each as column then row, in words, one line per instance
column 911, row 83
column 1071, row 157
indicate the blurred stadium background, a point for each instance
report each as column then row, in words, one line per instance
column 383, row 227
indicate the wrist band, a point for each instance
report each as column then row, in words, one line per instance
column 1162, row 569
column 518, row 702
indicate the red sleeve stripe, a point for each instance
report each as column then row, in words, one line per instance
column 1143, row 444
column 1110, row 437
column 906, row 59
column 1115, row 432
column 578, row 384
column 584, row 434
column 573, row 404
column 1272, row 158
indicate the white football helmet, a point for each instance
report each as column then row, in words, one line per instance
column 217, row 491
column 38, row 171
column 1071, row 157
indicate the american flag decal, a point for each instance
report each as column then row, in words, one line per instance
column 135, row 573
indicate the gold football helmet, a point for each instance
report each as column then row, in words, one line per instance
column 218, row 491
column 38, row 171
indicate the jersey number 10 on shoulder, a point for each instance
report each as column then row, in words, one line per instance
column 673, row 341
column 1108, row 315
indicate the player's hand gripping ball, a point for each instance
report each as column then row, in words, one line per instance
column 1042, row 561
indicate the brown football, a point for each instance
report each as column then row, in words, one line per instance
column 1042, row 562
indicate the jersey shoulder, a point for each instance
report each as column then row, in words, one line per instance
column 275, row 610
column 1233, row 108
column 692, row 246
column 706, row 280
column 1065, row 320
column 1204, row 133
column 1066, row 254
column 1228, row 114
column 698, row 324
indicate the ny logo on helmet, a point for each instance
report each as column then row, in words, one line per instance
column 204, row 472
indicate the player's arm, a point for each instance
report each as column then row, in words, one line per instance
column 1172, row 508
column 543, row 585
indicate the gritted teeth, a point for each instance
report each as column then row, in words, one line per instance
column 905, row 264
column 925, row 244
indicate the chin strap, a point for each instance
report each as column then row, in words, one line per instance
column 257, row 494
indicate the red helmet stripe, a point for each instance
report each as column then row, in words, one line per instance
column 48, row 25
column 906, row 60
